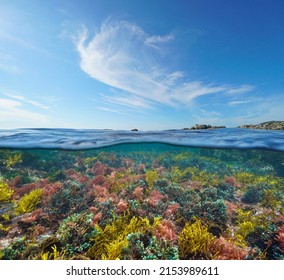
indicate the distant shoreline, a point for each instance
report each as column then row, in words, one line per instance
column 270, row 125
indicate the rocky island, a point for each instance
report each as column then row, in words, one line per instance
column 203, row 126
column 271, row 125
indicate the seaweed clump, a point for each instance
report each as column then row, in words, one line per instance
column 109, row 241
column 196, row 242
column 29, row 201
column 5, row 192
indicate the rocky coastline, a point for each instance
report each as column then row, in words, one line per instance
column 270, row 125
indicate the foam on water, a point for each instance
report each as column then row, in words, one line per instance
column 77, row 139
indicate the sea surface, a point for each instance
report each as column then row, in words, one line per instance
column 76, row 139
column 172, row 194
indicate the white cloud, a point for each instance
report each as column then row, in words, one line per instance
column 210, row 113
column 267, row 108
column 261, row 109
column 9, row 104
column 154, row 41
column 12, row 115
column 131, row 101
column 17, row 40
column 25, row 100
column 7, row 62
column 122, row 56
column 241, row 89
column 110, row 110
column 14, row 96
column 189, row 91
column 37, row 104
column 122, row 103
column 239, row 102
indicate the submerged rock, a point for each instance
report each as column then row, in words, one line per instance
column 271, row 125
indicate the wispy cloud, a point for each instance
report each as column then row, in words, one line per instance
column 155, row 41
column 131, row 101
column 17, row 40
column 7, row 62
column 121, row 103
column 110, row 110
column 210, row 113
column 9, row 104
column 11, row 112
column 121, row 55
column 266, row 108
column 25, row 100
column 15, row 111
column 260, row 109
column 239, row 102
column 241, row 89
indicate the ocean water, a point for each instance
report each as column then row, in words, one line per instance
column 78, row 139
column 175, row 194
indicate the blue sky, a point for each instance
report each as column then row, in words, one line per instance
column 152, row 64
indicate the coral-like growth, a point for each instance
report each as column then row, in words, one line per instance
column 73, row 174
column 100, row 169
column 171, row 209
column 155, row 197
column 14, row 250
column 75, row 232
column 229, row 251
column 166, row 230
column 121, row 206
column 138, row 193
column 146, row 247
column 280, row 238
column 50, row 189
column 101, row 193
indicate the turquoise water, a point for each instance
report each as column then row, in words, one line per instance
column 74, row 139
column 102, row 194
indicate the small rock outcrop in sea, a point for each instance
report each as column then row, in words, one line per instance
column 271, row 125
column 134, row 129
column 204, row 126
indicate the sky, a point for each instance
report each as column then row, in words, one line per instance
column 150, row 65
